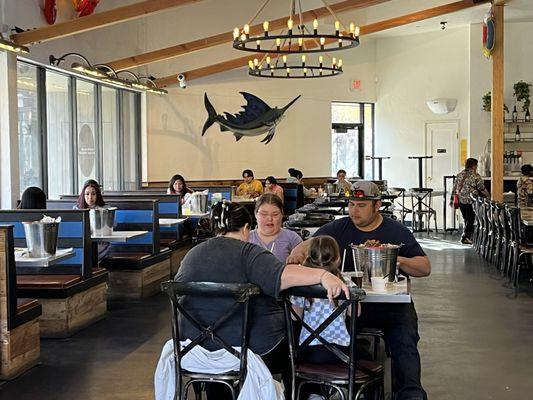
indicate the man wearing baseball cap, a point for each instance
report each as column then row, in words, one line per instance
column 398, row 321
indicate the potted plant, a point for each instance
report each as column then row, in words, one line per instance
column 487, row 103
column 521, row 92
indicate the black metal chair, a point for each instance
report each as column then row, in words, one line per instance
column 477, row 223
column 349, row 377
column 399, row 203
column 519, row 249
column 422, row 206
column 241, row 293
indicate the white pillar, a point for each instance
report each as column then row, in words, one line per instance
column 9, row 146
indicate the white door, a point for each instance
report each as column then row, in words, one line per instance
column 442, row 142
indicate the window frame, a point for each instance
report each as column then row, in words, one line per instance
column 360, row 126
column 74, row 78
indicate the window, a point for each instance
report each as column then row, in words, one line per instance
column 59, row 138
column 73, row 129
column 130, row 106
column 110, row 140
column 29, row 127
column 352, row 138
column 86, row 132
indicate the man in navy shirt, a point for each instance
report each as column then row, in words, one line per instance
column 399, row 322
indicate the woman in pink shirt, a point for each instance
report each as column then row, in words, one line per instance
column 271, row 186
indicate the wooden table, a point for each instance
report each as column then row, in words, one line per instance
column 22, row 258
column 118, row 236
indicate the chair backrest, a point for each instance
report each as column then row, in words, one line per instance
column 131, row 215
column 513, row 216
column 240, row 292
column 318, row 292
column 293, row 197
column 74, row 231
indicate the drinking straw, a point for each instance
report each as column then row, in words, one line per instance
column 272, row 249
column 343, row 258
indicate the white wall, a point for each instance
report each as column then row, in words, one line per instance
column 518, row 62
column 302, row 139
column 411, row 70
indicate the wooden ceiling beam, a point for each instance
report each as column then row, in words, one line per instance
column 227, row 37
column 95, row 21
column 365, row 30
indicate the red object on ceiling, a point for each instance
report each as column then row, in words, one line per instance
column 79, row 4
column 88, row 7
column 50, row 11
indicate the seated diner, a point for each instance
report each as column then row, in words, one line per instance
column 251, row 187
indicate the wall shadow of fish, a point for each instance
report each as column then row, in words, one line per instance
column 256, row 119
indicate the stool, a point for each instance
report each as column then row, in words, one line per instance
column 421, row 203
column 399, row 202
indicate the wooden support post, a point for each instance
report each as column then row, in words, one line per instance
column 497, row 138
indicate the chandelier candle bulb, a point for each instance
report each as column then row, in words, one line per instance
column 333, row 61
column 337, row 27
column 305, row 71
column 284, row 60
column 246, row 29
column 268, row 61
column 300, row 42
column 250, row 64
column 256, row 62
column 265, row 27
column 340, row 63
column 289, row 25
column 352, row 29
column 236, row 33
column 322, row 42
column 258, row 43
column 303, row 60
column 278, row 43
column 315, row 26
column 243, row 37
column 357, row 30
column 288, row 71
column 320, row 60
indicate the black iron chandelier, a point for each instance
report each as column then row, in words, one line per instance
column 280, row 49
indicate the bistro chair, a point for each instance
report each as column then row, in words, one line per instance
column 349, row 377
column 505, row 239
column 399, row 203
column 421, row 205
column 518, row 248
column 207, row 331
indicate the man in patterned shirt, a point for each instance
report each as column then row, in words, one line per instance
column 468, row 182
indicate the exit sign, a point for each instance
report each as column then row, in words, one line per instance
column 355, row 84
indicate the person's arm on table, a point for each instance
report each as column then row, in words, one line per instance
column 417, row 266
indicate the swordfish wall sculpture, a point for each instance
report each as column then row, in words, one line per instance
column 256, row 119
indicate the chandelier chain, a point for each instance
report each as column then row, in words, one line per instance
column 250, row 22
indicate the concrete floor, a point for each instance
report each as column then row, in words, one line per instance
column 476, row 342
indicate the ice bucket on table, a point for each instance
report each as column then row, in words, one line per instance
column 102, row 221
column 376, row 261
column 41, row 238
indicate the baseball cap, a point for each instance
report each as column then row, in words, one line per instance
column 365, row 190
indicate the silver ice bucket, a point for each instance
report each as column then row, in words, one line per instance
column 198, row 203
column 102, row 221
column 331, row 188
column 41, row 238
column 376, row 261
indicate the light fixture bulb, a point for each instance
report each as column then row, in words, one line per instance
column 340, row 63
column 246, row 29
column 289, row 24
column 352, row 28
column 256, row 62
column 333, row 61
column 357, row 30
column 250, row 64
column 265, row 26
column 337, row 25
column 315, row 24
column 243, row 37
column 268, row 60
column 288, row 71
column 305, row 71
column 321, row 59
column 236, row 33
column 258, row 43
column 322, row 41
column 303, row 58
column 284, row 58
column 300, row 41
column 278, row 42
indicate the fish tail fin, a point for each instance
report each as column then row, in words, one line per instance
column 211, row 114
column 237, row 136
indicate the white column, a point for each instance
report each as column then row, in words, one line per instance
column 9, row 146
